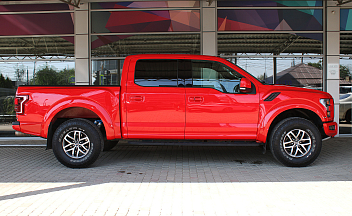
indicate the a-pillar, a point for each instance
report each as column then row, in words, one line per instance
column 333, row 53
column 208, row 28
column 82, row 44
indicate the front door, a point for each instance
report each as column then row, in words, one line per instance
column 215, row 108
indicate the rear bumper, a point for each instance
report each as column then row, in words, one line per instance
column 16, row 126
column 330, row 129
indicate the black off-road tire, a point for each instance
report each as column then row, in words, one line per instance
column 77, row 143
column 295, row 142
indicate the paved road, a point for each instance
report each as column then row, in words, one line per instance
column 172, row 180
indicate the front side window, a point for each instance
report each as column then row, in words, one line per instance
column 156, row 73
column 207, row 74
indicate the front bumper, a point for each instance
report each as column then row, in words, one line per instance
column 330, row 128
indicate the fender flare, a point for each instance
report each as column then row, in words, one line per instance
column 81, row 103
column 266, row 122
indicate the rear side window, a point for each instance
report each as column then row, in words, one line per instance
column 156, row 73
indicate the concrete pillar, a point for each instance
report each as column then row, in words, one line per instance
column 333, row 53
column 209, row 28
column 82, row 45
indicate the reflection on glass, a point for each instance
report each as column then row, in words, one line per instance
column 345, row 85
column 107, row 72
column 39, row 72
column 275, row 43
column 123, row 45
column 214, row 75
column 345, row 109
column 7, row 112
column 39, row 47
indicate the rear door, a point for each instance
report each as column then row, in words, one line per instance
column 155, row 103
column 215, row 108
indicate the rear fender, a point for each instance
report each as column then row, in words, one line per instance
column 83, row 103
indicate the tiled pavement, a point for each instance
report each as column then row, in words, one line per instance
column 173, row 180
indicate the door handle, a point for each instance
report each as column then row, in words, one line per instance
column 191, row 99
column 195, row 99
column 137, row 98
column 198, row 99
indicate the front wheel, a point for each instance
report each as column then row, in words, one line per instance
column 295, row 142
column 77, row 143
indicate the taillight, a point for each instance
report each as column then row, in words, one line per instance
column 19, row 103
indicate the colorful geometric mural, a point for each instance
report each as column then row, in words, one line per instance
column 142, row 21
column 270, row 20
column 146, row 4
column 145, row 21
column 346, row 19
column 36, row 23
column 101, row 40
column 34, row 7
column 244, row 3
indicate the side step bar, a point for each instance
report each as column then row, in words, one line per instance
column 189, row 143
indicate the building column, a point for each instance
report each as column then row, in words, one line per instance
column 82, row 45
column 333, row 54
column 209, row 28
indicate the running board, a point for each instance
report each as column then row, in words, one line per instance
column 190, row 143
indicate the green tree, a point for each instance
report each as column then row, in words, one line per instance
column 8, row 83
column 316, row 65
column 65, row 75
column 19, row 73
column 46, row 76
column 344, row 72
column 9, row 105
column 2, row 81
column 5, row 83
column 260, row 77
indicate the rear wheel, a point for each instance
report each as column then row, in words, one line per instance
column 295, row 142
column 77, row 143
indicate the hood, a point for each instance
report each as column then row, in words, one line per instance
column 300, row 89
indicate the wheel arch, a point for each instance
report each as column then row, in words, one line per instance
column 87, row 110
column 296, row 112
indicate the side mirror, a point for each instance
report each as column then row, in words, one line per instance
column 245, row 85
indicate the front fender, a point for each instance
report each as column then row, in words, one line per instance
column 268, row 116
column 82, row 103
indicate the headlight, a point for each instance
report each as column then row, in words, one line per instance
column 326, row 103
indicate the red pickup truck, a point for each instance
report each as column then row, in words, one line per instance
column 177, row 97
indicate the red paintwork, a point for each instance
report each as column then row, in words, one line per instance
column 135, row 112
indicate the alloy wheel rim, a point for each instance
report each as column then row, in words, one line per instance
column 297, row 143
column 76, row 144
